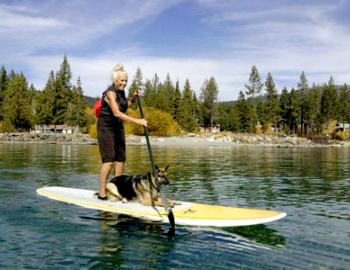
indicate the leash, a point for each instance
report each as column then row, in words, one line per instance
column 168, row 210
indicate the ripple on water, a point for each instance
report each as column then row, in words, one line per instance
column 310, row 185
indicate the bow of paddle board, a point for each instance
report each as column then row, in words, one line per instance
column 187, row 213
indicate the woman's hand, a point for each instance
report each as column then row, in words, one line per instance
column 134, row 97
column 137, row 93
column 142, row 122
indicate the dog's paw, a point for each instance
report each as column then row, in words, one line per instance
column 124, row 200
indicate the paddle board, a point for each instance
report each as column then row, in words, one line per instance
column 188, row 213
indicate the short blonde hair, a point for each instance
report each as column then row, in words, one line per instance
column 117, row 70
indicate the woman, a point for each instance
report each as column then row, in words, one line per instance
column 110, row 127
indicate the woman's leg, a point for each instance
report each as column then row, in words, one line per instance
column 119, row 168
column 105, row 170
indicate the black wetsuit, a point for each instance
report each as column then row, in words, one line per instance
column 110, row 130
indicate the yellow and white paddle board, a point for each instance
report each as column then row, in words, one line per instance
column 191, row 214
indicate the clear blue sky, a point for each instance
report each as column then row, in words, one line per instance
column 187, row 39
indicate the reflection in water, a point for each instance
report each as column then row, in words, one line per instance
column 126, row 242
column 121, row 235
column 260, row 234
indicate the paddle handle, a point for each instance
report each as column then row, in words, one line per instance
column 154, row 172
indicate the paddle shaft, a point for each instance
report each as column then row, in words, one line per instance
column 154, row 172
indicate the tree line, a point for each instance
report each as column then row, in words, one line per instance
column 23, row 106
column 303, row 110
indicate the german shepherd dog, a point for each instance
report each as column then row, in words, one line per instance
column 140, row 187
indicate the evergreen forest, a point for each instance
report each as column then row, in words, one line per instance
column 305, row 110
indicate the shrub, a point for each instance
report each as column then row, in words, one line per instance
column 92, row 130
column 6, row 126
column 341, row 135
column 159, row 123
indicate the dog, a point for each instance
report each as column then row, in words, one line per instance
column 138, row 187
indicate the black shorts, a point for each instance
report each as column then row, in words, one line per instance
column 111, row 139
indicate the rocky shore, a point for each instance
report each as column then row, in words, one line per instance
column 202, row 139
column 48, row 138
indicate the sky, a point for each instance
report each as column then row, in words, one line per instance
column 187, row 39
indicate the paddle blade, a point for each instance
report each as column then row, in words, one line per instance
column 171, row 218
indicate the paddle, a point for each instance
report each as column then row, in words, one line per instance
column 168, row 210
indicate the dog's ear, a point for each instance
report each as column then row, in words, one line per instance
column 156, row 166
column 166, row 168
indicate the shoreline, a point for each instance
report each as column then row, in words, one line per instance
column 201, row 139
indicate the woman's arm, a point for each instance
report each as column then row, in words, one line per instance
column 111, row 101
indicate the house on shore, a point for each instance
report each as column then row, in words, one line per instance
column 213, row 129
column 49, row 129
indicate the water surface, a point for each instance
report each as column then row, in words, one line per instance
column 311, row 185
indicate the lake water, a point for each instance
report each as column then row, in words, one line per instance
column 311, row 185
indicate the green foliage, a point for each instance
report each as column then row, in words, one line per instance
column 304, row 111
column 60, row 102
column 17, row 108
column 302, row 91
column 76, row 115
column 176, row 101
column 3, row 86
column 165, row 95
column 246, row 114
column 343, row 105
column 136, row 84
column 187, row 112
column 328, row 101
column 228, row 117
column 272, row 103
column 209, row 94
column 254, row 85
column 312, row 110
column 150, row 93
column 46, row 100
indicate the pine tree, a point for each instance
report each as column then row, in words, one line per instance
column 46, row 101
column 65, row 75
column 272, row 104
column 186, row 117
column 168, row 92
column 312, row 109
column 293, row 111
column 76, row 115
column 254, row 85
column 150, row 92
column 176, row 102
column 209, row 93
column 303, row 89
column 17, row 104
column 196, row 108
column 343, row 105
column 61, row 99
column 262, row 112
column 245, row 113
column 136, row 84
column 228, row 117
column 165, row 95
column 328, row 101
column 3, row 86
column 284, row 109
column 63, row 94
